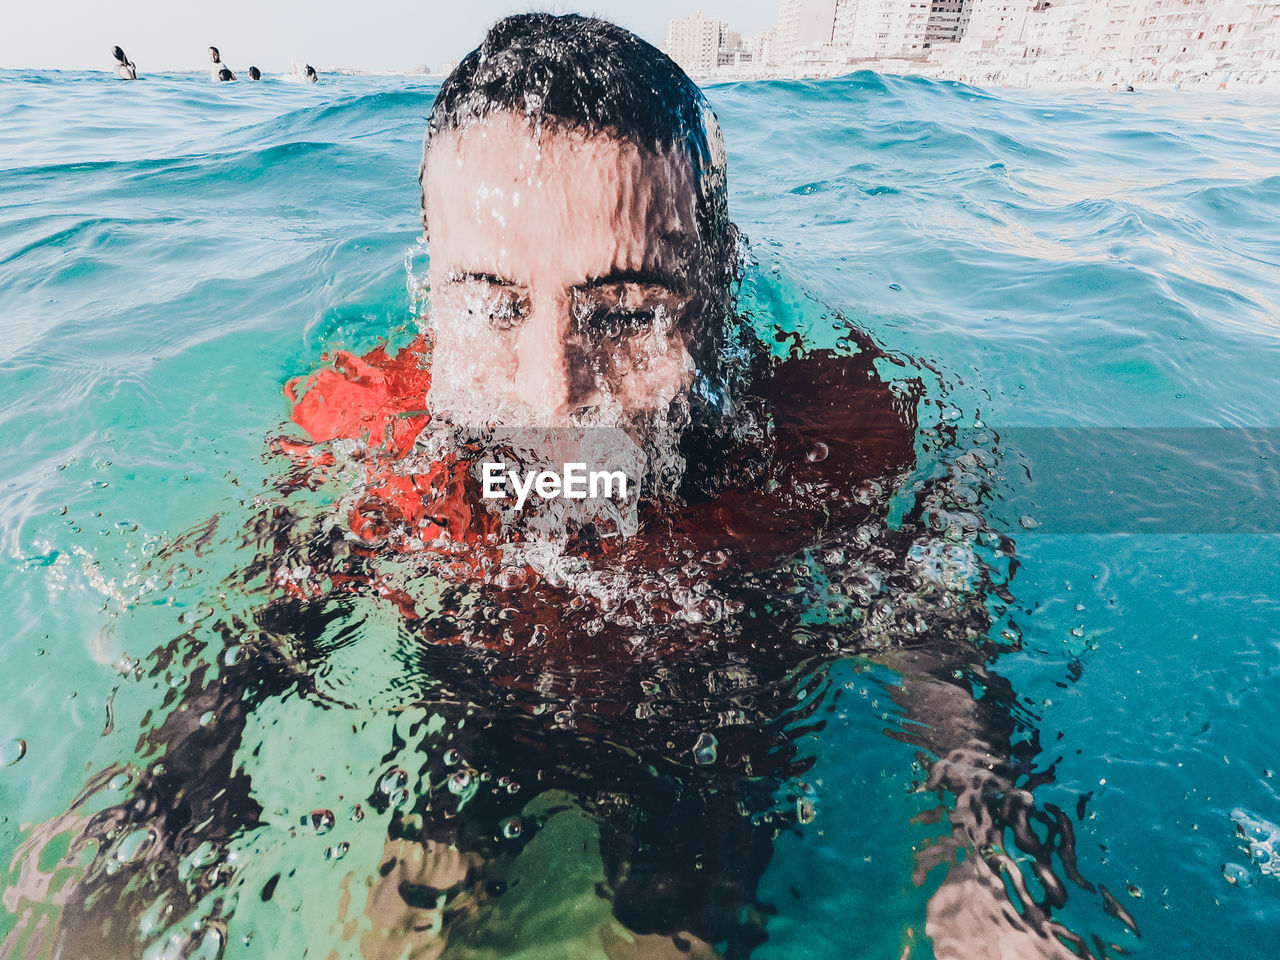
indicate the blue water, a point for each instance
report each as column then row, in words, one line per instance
column 173, row 251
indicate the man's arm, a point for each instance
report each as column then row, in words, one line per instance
column 984, row 908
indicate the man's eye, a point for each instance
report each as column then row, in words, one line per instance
column 612, row 311
column 503, row 308
column 615, row 322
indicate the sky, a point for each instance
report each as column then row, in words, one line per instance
column 362, row 34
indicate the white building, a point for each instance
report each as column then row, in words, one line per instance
column 897, row 28
column 694, row 43
column 1207, row 30
column 763, row 47
column 997, row 28
column 1158, row 31
column 803, row 25
column 948, row 21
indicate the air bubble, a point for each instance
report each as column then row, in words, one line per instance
column 134, row 846
column 460, row 782
column 511, row 578
column 817, row 453
column 511, row 828
column 12, row 751
column 322, row 821
column 394, row 780
column 805, row 812
column 704, row 751
column 1236, row 875
column 338, row 851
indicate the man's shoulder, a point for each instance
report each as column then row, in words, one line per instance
column 827, row 389
column 361, row 396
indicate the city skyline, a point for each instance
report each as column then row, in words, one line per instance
column 820, row 37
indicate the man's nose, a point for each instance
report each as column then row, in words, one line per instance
column 552, row 372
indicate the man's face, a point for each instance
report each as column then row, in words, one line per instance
column 563, row 274
column 213, row 55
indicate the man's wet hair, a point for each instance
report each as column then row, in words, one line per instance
column 214, row 51
column 587, row 74
column 118, row 54
column 255, row 73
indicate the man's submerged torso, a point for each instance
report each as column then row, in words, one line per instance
column 827, row 440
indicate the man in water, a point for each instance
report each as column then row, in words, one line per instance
column 125, row 68
column 218, row 70
column 255, row 73
column 582, row 268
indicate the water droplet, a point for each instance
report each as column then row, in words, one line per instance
column 207, row 718
column 357, row 813
column 1235, row 874
column 1028, row 522
column 12, row 751
column 895, row 286
column 395, row 779
column 460, row 782
column 210, row 946
column 817, row 453
column 338, row 851
column 805, row 812
column 322, row 821
column 704, row 751
column 134, row 846
column 451, row 757
column 511, row 827
column 232, row 655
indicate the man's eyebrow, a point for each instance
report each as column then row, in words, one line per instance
column 480, row 277
column 644, row 277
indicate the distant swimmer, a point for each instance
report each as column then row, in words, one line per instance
column 125, row 68
column 218, row 70
column 255, row 73
column 302, row 72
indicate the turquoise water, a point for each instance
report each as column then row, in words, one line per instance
column 173, row 252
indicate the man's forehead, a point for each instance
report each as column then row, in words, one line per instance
column 507, row 192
